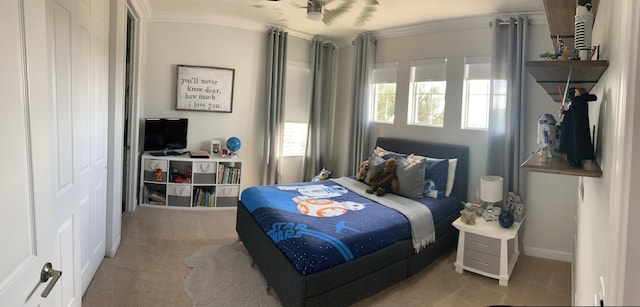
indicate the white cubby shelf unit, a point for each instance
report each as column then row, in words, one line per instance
column 182, row 181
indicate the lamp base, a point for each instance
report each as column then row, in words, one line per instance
column 491, row 213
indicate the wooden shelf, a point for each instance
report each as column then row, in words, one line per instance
column 558, row 165
column 553, row 74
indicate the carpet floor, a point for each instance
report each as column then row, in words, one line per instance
column 159, row 247
column 237, row 282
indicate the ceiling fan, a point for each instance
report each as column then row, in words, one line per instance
column 316, row 10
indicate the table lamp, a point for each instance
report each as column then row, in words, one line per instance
column 491, row 190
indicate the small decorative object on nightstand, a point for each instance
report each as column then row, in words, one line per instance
column 468, row 214
column 488, row 249
column 506, row 218
column 491, row 190
column 468, row 217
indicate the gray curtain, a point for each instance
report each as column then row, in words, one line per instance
column 364, row 60
column 319, row 134
column 275, row 77
column 506, row 114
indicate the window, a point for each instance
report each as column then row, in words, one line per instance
column 427, row 92
column 476, row 93
column 383, row 97
column 294, row 141
column 296, row 113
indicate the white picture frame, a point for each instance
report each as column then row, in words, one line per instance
column 216, row 147
column 516, row 206
column 201, row 88
column 518, row 211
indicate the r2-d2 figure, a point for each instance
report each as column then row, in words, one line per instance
column 546, row 132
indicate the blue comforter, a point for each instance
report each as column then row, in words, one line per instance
column 318, row 225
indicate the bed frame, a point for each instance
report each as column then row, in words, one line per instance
column 350, row 282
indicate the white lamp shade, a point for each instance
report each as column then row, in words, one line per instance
column 491, row 188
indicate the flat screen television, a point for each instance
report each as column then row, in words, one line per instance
column 165, row 134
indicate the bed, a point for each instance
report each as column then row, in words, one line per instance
column 346, row 283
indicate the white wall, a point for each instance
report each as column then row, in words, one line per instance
column 592, row 212
column 173, row 43
column 549, row 199
column 607, row 244
column 170, row 44
column 117, row 33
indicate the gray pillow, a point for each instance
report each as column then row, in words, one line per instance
column 410, row 178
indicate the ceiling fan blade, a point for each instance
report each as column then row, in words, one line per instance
column 298, row 6
column 331, row 15
column 365, row 15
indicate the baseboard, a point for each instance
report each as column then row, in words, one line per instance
column 548, row 254
column 112, row 252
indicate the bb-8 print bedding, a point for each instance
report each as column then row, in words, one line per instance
column 319, row 225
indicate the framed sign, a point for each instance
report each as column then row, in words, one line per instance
column 205, row 88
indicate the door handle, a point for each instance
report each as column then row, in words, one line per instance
column 46, row 274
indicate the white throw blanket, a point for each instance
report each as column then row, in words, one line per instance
column 422, row 229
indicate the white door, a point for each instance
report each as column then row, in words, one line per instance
column 26, row 229
column 78, row 48
column 53, row 85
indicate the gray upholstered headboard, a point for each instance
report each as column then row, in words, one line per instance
column 435, row 150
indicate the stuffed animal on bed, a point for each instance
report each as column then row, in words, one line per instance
column 323, row 175
column 385, row 180
column 362, row 173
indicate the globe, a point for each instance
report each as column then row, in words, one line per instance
column 233, row 144
column 506, row 218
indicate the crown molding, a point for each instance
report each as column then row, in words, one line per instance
column 243, row 24
column 143, row 7
column 468, row 23
column 476, row 22
column 207, row 19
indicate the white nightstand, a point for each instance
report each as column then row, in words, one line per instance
column 488, row 249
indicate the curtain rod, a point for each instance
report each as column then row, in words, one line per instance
column 504, row 22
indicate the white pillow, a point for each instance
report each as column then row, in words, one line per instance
column 450, row 175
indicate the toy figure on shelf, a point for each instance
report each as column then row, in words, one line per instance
column 562, row 53
column 576, row 134
column 546, row 136
column 158, row 174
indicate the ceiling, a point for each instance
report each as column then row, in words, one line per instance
column 291, row 14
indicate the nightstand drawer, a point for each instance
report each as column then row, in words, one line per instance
column 481, row 261
column 482, row 244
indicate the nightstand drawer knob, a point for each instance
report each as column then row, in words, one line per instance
column 480, row 244
column 479, row 262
